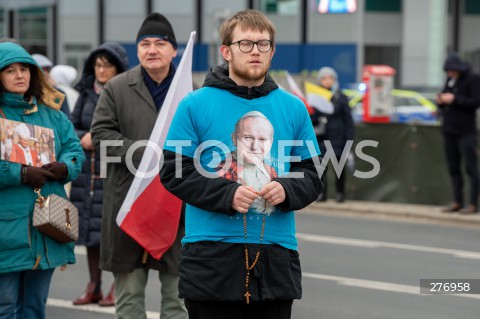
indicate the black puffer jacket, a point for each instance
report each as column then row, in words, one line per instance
column 87, row 189
column 459, row 117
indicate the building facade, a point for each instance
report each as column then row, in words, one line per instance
column 410, row 35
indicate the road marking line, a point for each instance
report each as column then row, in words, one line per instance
column 67, row 304
column 379, row 244
column 80, row 250
column 378, row 285
column 344, row 281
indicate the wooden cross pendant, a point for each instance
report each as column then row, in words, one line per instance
column 247, row 296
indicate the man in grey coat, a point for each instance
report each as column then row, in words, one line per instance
column 127, row 112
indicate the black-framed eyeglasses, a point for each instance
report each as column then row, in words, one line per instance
column 104, row 66
column 246, row 46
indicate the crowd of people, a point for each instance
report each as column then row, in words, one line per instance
column 235, row 253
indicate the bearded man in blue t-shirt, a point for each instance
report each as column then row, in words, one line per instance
column 239, row 260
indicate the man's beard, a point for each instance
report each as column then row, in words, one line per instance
column 246, row 74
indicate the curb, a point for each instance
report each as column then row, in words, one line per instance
column 395, row 210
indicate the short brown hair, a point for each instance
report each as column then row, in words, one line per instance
column 247, row 19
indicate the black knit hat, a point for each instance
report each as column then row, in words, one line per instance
column 156, row 25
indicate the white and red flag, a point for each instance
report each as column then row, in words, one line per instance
column 296, row 90
column 150, row 214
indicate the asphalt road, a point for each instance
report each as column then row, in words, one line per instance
column 354, row 267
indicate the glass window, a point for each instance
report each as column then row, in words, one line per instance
column 33, row 29
column 175, row 8
column 285, row 15
column 76, row 54
column 124, row 7
column 472, row 7
column 215, row 12
column 280, row 7
column 404, row 101
column 383, row 5
column 77, row 8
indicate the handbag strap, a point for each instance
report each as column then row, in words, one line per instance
column 2, row 114
column 40, row 200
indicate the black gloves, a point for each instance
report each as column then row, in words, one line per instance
column 35, row 176
column 58, row 169
column 38, row 176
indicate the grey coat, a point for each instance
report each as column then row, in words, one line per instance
column 125, row 112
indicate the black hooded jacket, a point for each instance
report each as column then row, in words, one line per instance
column 215, row 271
column 87, row 189
column 460, row 117
column 217, row 194
column 218, row 78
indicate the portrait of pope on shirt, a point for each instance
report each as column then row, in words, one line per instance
column 253, row 139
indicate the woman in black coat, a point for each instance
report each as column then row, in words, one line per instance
column 103, row 63
column 336, row 127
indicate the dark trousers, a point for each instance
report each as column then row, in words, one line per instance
column 340, row 179
column 281, row 309
column 456, row 148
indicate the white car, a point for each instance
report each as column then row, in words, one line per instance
column 408, row 107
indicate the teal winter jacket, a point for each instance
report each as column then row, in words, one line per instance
column 22, row 247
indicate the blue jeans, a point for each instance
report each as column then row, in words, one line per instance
column 23, row 294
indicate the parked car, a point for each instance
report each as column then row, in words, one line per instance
column 408, row 107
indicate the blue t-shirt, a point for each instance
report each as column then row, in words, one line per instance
column 219, row 129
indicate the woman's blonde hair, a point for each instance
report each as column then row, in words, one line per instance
column 247, row 19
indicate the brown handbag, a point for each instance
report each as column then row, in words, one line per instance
column 56, row 217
